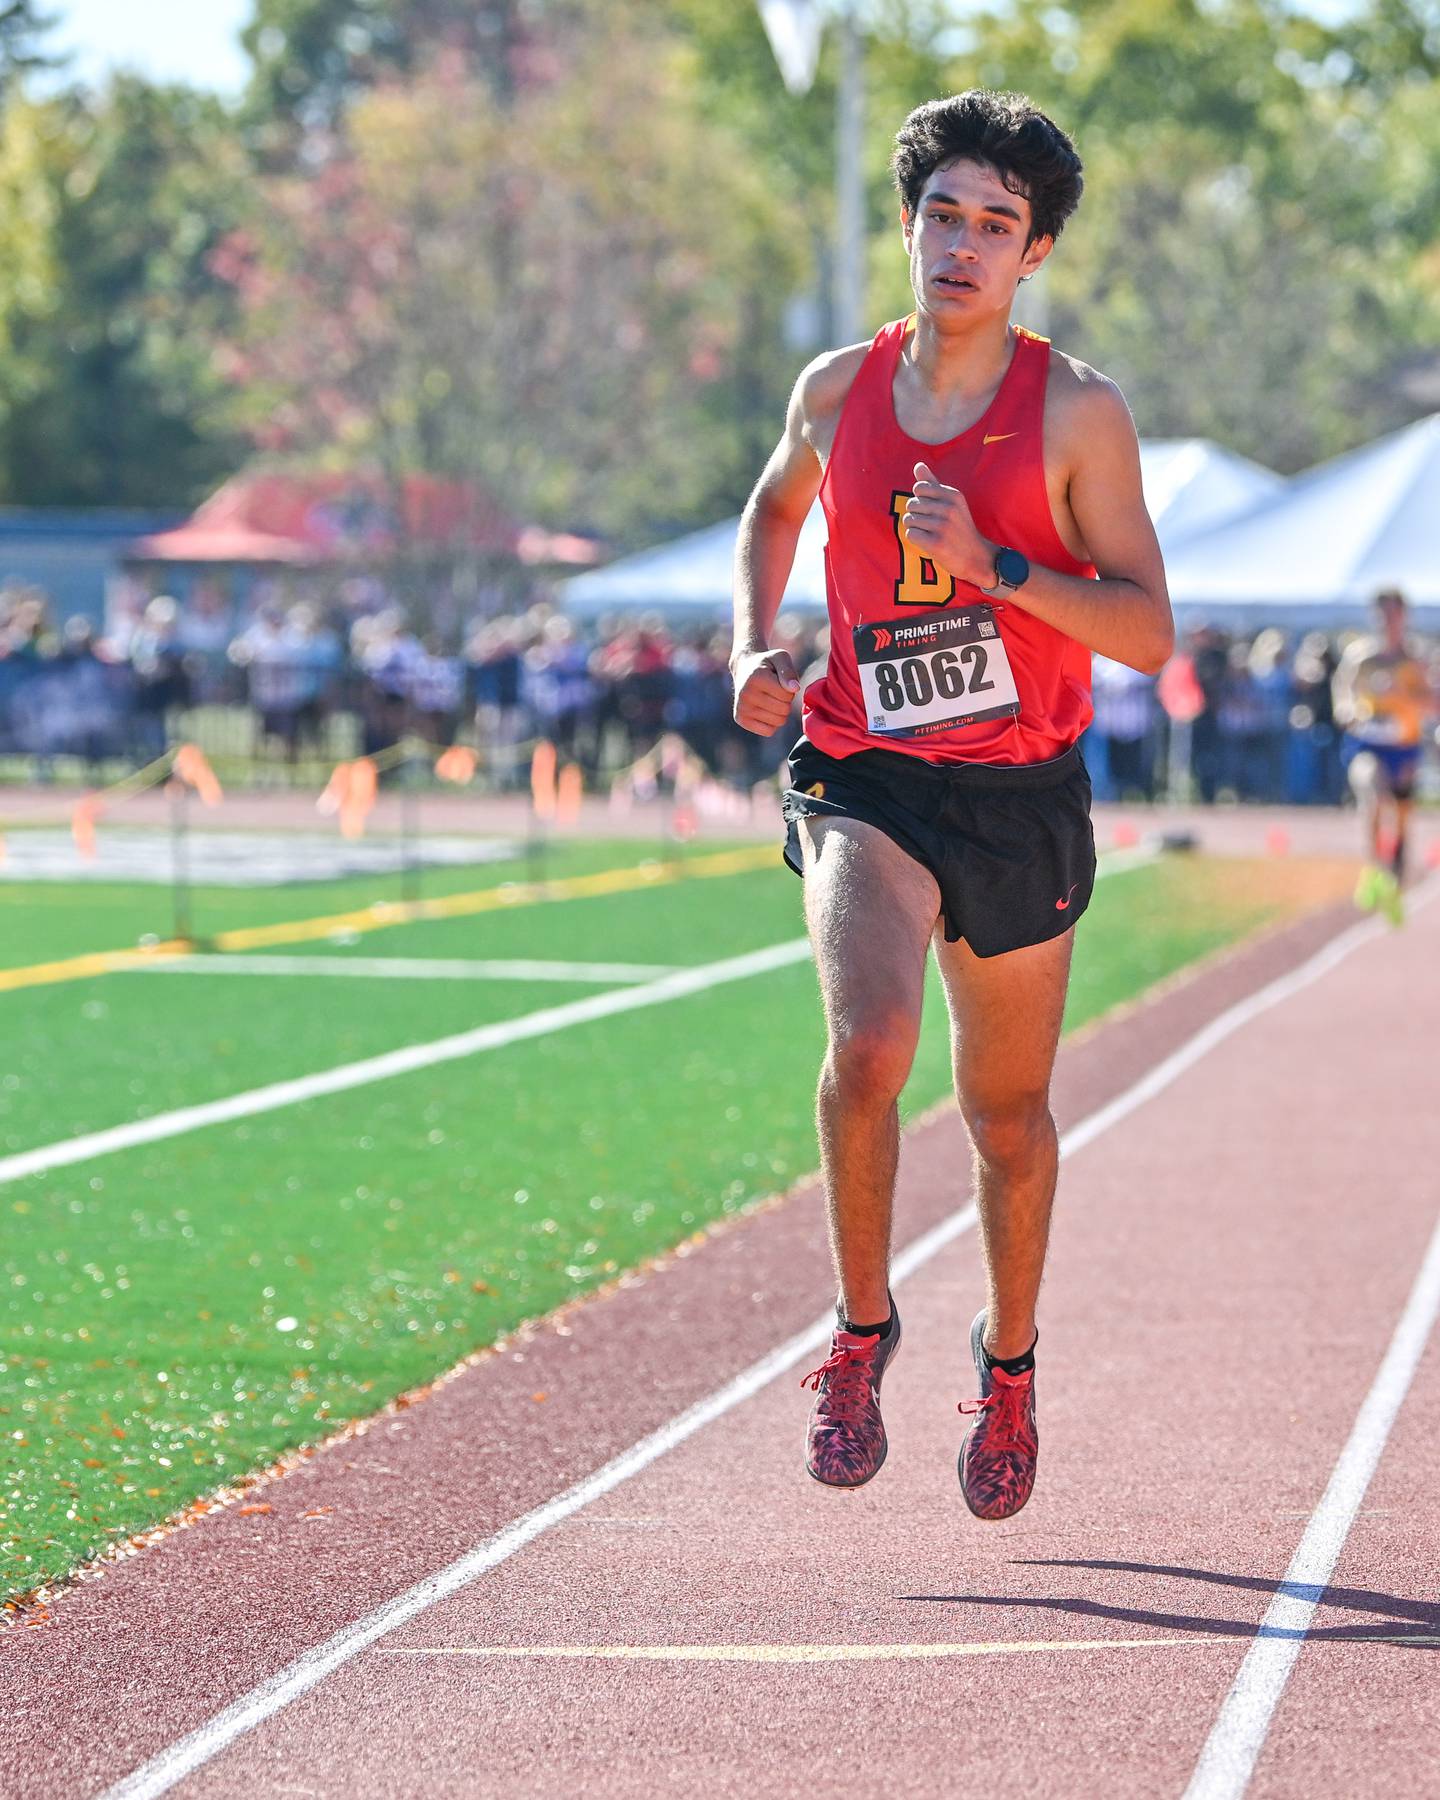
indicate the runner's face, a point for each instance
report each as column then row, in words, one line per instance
column 967, row 244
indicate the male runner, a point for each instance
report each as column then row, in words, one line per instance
column 1383, row 699
column 973, row 483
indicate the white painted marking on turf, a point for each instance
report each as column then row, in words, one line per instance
column 1231, row 1751
column 401, row 968
column 1121, row 862
column 677, row 986
column 207, row 1741
column 674, row 986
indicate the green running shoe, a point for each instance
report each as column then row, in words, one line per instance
column 1369, row 888
column 1392, row 901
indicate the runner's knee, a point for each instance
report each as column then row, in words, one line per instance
column 1009, row 1133
column 870, row 1062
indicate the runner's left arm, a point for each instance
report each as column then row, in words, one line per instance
column 1125, row 615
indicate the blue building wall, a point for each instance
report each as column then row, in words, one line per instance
column 72, row 554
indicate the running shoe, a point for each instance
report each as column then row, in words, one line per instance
column 845, row 1444
column 1392, row 901
column 998, row 1455
column 1369, row 888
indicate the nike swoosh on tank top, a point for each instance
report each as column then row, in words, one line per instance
column 872, row 576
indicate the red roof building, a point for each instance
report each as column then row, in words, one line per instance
column 317, row 520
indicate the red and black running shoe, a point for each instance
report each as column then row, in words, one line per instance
column 845, row 1444
column 998, row 1456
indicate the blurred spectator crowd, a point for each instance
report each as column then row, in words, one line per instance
column 296, row 679
column 1229, row 718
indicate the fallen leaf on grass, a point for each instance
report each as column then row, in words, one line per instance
column 26, row 1616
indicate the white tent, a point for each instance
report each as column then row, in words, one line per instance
column 694, row 574
column 1317, row 552
column 1192, row 485
column 1189, row 484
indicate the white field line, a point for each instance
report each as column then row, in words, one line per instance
column 198, row 1747
column 401, row 968
column 676, row 986
column 673, row 986
column 1231, row 1751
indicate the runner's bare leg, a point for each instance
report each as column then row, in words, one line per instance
column 1372, row 796
column 1005, row 1014
column 870, row 909
column 1402, row 829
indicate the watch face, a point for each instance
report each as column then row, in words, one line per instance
column 1011, row 567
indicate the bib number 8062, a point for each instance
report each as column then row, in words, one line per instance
column 920, row 679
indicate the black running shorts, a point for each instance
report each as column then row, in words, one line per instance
column 1010, row 847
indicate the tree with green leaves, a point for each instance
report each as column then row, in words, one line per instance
column 552, row 296
column 22, row 34
column 312, row 59
column 1256, row 257
column 109, row 313
column 1250, row 259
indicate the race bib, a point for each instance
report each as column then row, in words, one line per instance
column 932, row 674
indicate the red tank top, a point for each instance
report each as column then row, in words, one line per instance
column 871, row 575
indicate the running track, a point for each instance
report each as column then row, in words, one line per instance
column 1230, row 1261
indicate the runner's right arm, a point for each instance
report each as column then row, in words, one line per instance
column 766, row 680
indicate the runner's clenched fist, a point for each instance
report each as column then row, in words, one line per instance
column 765, row 687
column 938, row 522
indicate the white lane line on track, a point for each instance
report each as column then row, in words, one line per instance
column 198, row 1747
column 401, row 968
column 674, row 986
column 1231, row 1751
column 1238, row 1735
column 401, row 1062
column 804, row 1653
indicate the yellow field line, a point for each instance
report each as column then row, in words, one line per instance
column 385, row 913
column 78, row 968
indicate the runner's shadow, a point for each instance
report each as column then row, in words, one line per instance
column 1416, row 1622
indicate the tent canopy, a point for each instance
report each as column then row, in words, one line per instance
column 694, row 575
column 1192, row 485
column 1189, row 483
column 1318, row 551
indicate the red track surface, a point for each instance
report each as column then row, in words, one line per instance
column 1229, row 1262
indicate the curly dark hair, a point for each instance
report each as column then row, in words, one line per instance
column 1027, row 150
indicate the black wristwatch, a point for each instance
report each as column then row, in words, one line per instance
column 1012, row 571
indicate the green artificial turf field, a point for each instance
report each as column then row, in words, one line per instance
column 178, row 1313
